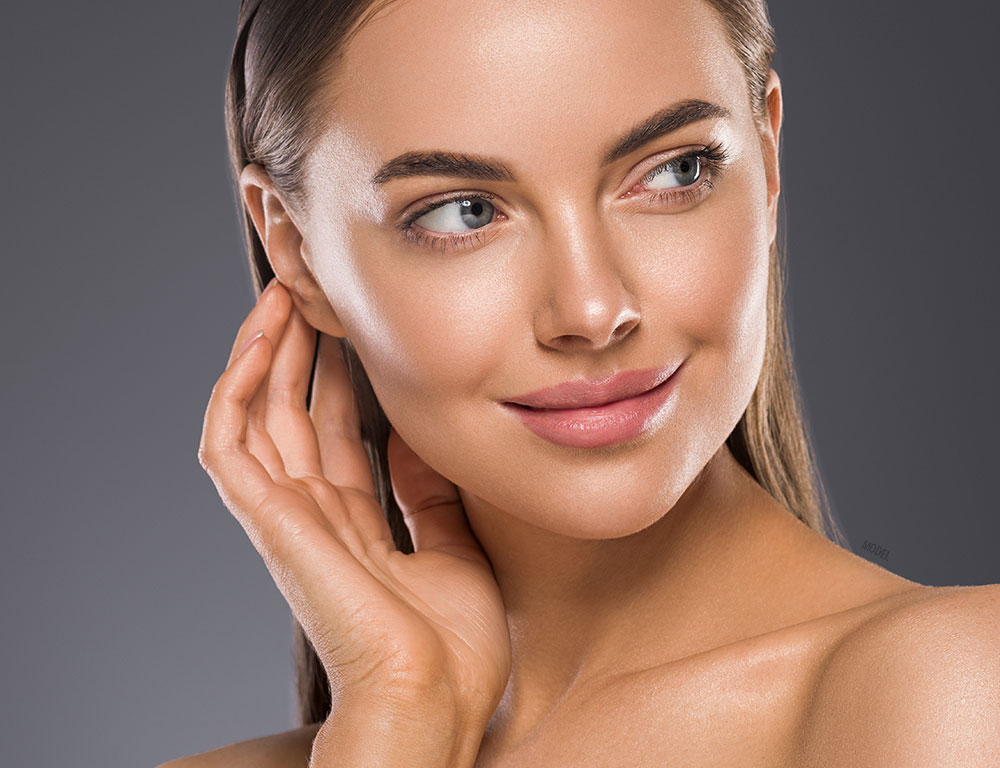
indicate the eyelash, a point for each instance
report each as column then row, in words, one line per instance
column 711, row 159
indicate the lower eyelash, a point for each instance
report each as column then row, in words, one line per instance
column 443, row 242
column 683, row 196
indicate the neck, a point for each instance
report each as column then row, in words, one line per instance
column 580, row 609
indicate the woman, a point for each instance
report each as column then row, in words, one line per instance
column 539, row 241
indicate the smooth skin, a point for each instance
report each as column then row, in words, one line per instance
column 647, row 604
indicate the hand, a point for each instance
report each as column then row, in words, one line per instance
column 429, row 627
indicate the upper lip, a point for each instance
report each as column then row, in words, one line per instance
column 582, row 393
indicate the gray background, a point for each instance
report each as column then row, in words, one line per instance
column 139, row 624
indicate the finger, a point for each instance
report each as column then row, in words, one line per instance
column 251, row 324
column 241, row 479
column 298, row 550
column 337, row 423
column 430, row 504
column 284, row 409
column 336, row 420
column 271, row 314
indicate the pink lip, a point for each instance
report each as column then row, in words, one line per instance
column 583, row 393
column 591, row 414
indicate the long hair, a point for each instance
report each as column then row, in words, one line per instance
column 283, row 55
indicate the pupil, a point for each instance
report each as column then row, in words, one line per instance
column 476, row 213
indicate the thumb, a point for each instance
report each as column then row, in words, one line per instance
column 431, row 505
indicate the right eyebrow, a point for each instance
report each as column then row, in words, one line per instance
column 454, row 164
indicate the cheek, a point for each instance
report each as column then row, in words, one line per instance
column 726, row 312
column 703, row 278
column 429, row 346
column 430, row 336
column 725, row 300
column 703, row 285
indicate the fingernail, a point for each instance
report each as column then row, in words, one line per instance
column 270, row 285
column 251, row 341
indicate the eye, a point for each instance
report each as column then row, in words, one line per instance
column 684, row 179
column 452, row 216
column 686, row 168
column 461, row 215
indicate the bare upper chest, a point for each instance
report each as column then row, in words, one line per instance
column 712, row 716
column 742, row 706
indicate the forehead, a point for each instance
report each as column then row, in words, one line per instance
column 536, row 82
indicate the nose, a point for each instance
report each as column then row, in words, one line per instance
column 585, row 300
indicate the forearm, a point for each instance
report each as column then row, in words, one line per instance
column 362, row 736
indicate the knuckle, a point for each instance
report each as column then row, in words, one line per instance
column 203, row 456
column 283, row 535
column 206, row 458
column 311, row 484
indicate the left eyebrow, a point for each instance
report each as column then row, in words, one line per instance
column 439, row 163
column 665, row 121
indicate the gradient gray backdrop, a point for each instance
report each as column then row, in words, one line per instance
column 139, row 624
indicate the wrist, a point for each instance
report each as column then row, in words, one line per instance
column 387, row 731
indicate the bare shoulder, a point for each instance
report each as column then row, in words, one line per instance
column 288, row 749
column 917, row 684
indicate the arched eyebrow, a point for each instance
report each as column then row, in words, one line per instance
column 440, row 163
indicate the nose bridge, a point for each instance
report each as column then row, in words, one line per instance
column 585, row 296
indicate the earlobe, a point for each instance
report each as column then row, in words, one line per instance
column 285, row 247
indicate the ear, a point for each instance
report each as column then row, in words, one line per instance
column 285, row 246
column 770, row 140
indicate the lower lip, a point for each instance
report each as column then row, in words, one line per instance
column 600, row 425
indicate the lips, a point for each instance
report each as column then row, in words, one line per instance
column 600, row 413
column 585, row 393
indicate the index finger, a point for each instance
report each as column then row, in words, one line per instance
column 251, row 324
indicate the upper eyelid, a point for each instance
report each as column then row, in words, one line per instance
column 713, row 164
column 451, row 197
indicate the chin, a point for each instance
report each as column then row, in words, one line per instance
column 586, row 503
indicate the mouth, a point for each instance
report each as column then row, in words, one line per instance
column 591, row 406
column 594, row 393
column 603, row 422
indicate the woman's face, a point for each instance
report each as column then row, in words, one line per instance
column 564, row 263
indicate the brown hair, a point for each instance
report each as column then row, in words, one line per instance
column 284, row 54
